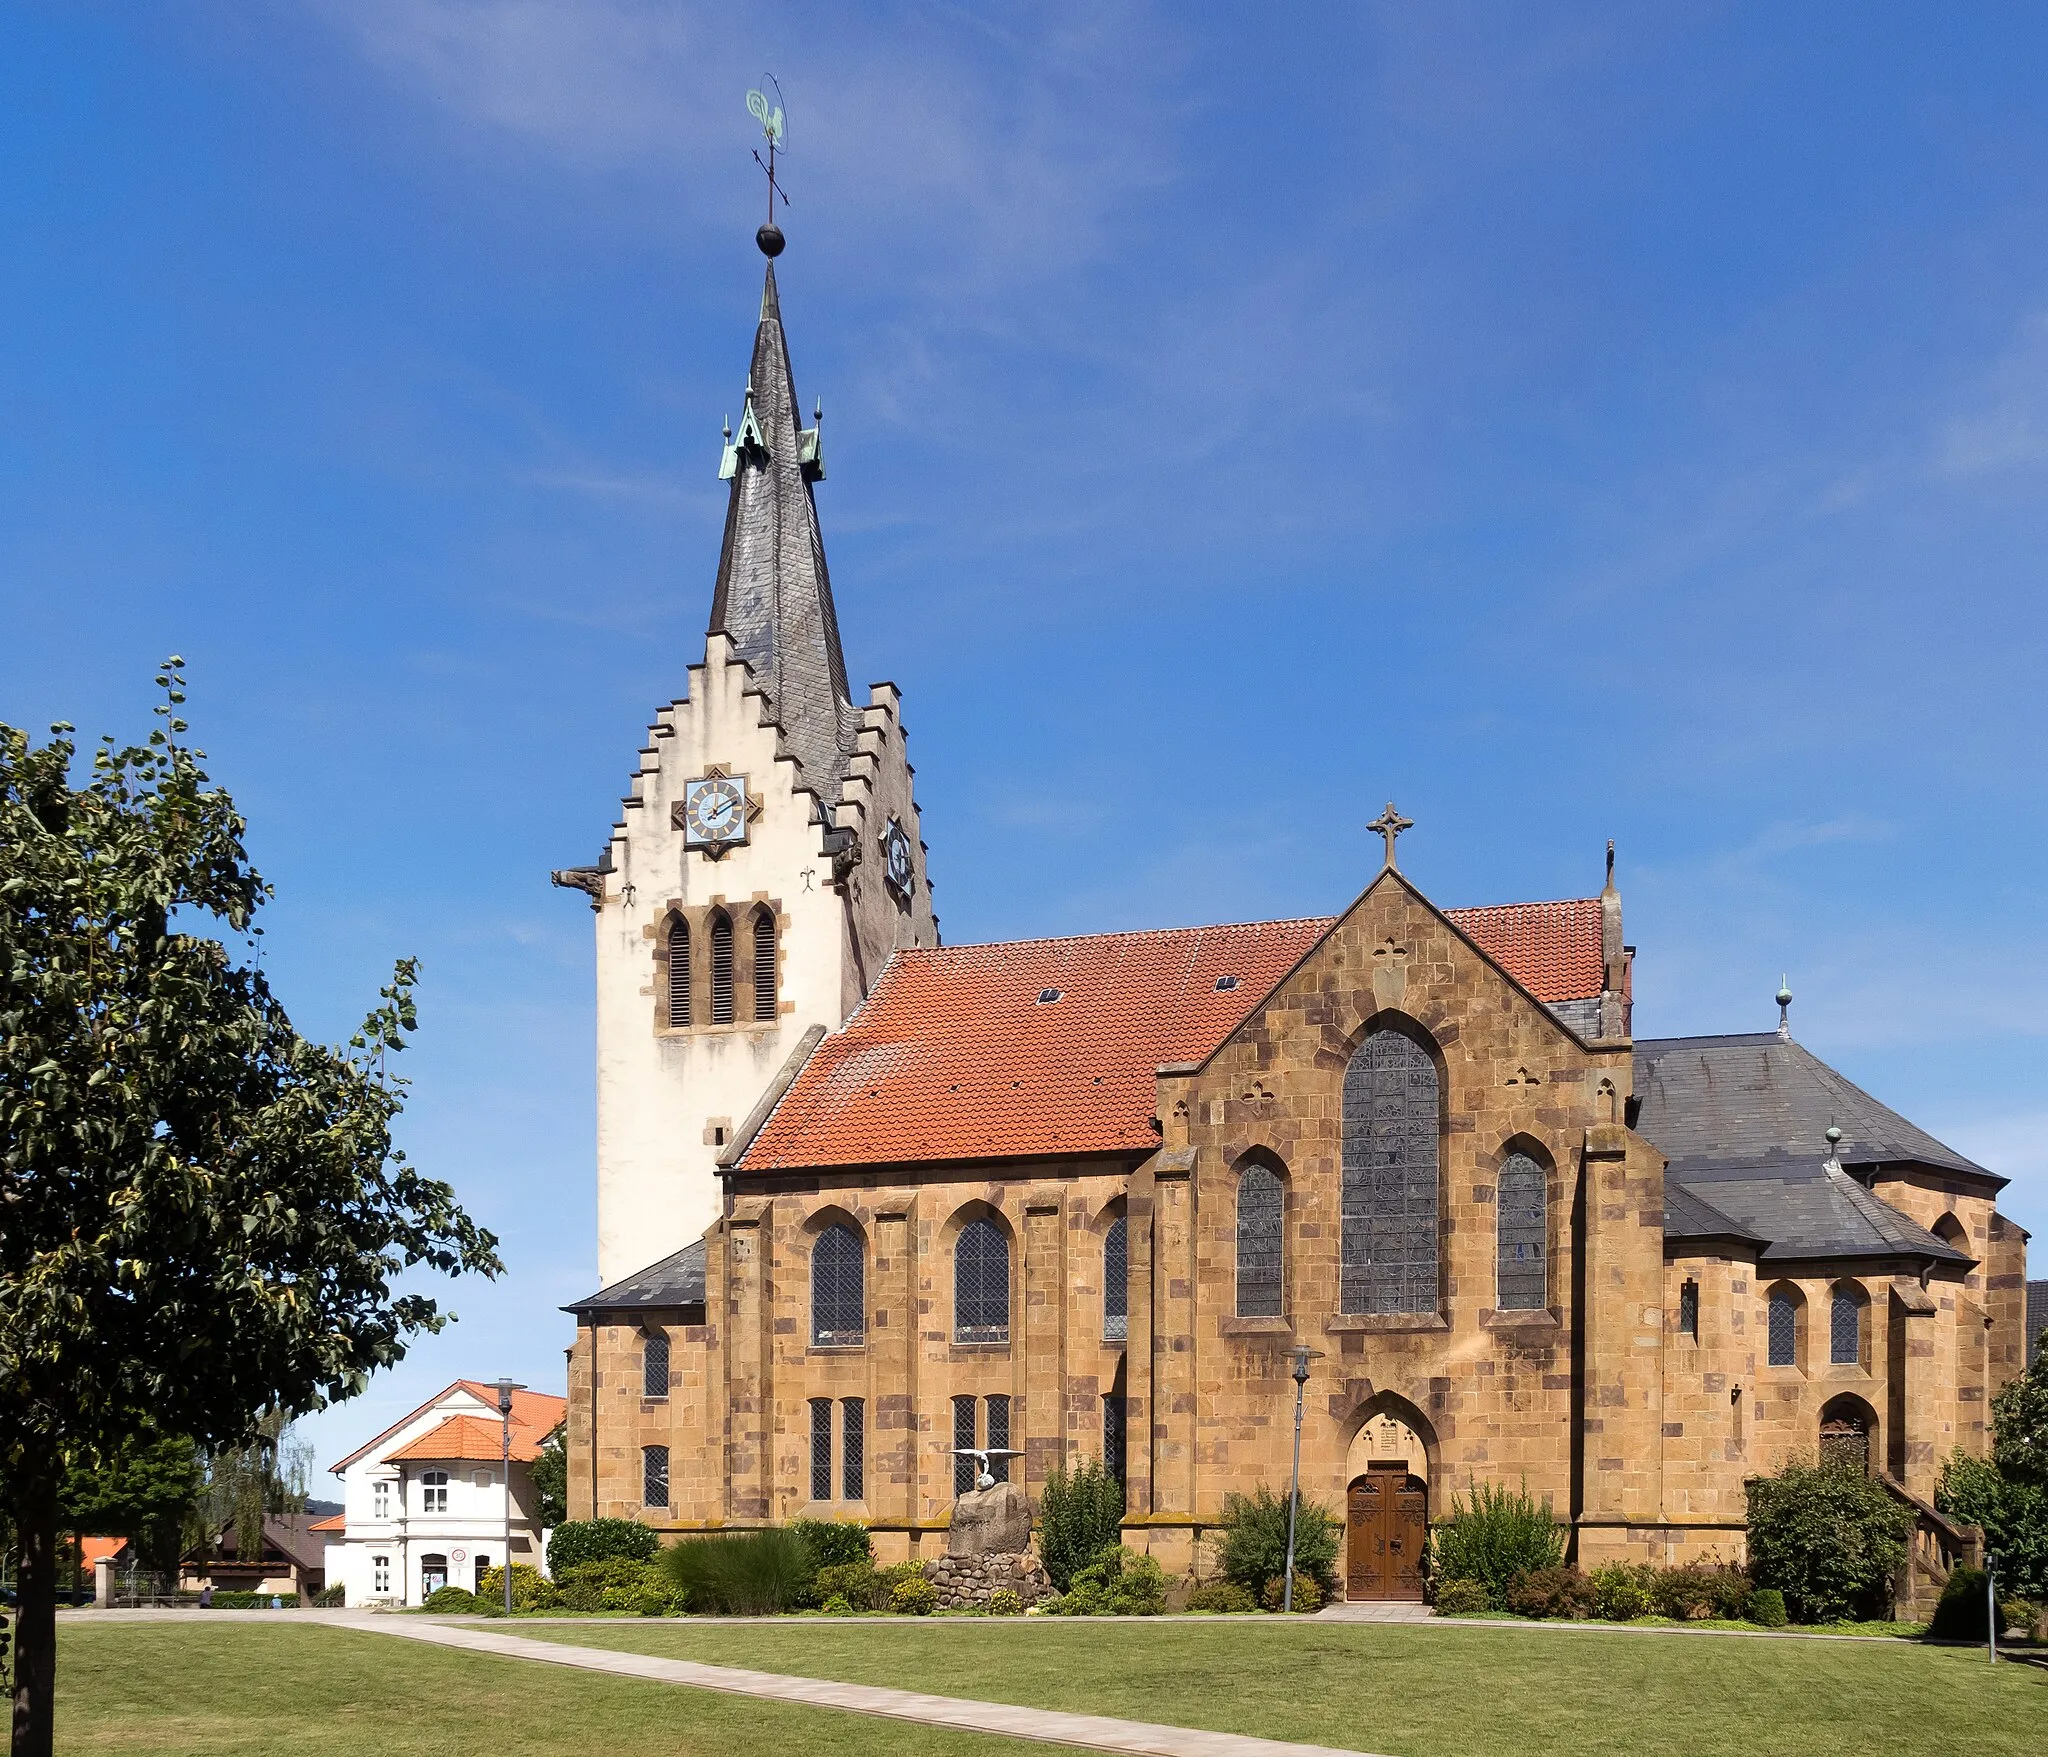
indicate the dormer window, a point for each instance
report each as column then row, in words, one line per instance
column 1046, row 996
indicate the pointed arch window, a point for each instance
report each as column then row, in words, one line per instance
column 1390, row 1178
column 838, row 1289
column 721, row 968
column 981, row 1283
column 679, row 976
column 1521, row 1221
column 1261, row 1204
column 1784, row 1327
column 764, row 964
column 1116, row 1281
column 1845, row 1326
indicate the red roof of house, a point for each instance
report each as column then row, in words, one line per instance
column 955, row 1056
column 333, row 1522
column 530, row 1409
column 99, row 1549
column 468, row 1436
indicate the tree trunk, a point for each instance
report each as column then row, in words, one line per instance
column 35, row 1623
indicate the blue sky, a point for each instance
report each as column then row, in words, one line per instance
column 1571, row 422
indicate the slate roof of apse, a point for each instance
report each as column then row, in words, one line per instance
column 674, row 1281
column 468, row 1437
column 954, row 1057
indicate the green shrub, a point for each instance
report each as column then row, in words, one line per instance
column 837, row 1605
column 1221, row 1595
column 612, row 1584
column 1961, row 1614
column 457, row 1600
column 1308, row 1596
column 254, row 1601
column 330, row 1596
column 1623, row 1591
column 859, row 1583
column 1253, row 1546
column 1698, row 1590
column 1461, row 1598
column 1497, row 1537
column 652, row 1602
column 1004, row 1603
column 1552, row 1592
column 1117, row 1583
column 833, row 1543
column 597, row 1540
column 2013, row 1513
column 1767, row 1608
column 745, row 1574
column 1079, row 1512
column 1829, row 1538
column 915, row 1597
column 531, row 1589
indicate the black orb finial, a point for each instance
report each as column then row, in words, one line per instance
column 771, row 241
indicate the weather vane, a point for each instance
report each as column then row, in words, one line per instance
column 768, row 112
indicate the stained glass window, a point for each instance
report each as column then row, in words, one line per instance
column 1113, row 1435
column 963, row 1435
column 1116, row 1281
column 1519, row 1217
column 1845, row 1328
column 981, row 1284
column 838, row 1289
column 654, row 1476
column 679, row 975
column 853, row 1452
column 1784, row 1339
column 654, row 1367
column 821, row 1448
column 721, row 969
column 1260, row 1206
column 1390, row 1177
column 999, row 1435
column 764, row 965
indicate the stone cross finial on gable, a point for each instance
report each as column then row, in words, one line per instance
column 1390, row 823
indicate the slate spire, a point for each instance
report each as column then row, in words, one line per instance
column 774, row 594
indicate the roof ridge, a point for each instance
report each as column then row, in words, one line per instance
column 1114, row 933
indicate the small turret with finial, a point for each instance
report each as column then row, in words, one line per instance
column 1784, row 1010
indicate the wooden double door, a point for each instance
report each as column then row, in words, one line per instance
column 1386, row 1525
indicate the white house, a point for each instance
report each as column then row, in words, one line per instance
column 424, row 1503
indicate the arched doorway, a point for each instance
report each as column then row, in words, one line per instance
column 1845, row 1428
column 1386, row 1507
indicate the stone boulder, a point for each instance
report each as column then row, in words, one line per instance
column 991, row 1522
column 969, row 1582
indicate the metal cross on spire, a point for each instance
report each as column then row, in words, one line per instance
column 768, row 112
column 1390, row 823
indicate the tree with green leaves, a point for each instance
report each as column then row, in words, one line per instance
column 145, row 1488
column 551, row 1479
column 2007, row 1493
column 201, row 1212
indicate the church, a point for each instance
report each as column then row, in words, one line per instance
column 865, row 1199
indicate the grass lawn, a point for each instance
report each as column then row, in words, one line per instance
column 1421, row 1692
column 184, row 1689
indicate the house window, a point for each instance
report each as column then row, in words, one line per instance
column 1390, row 1178
column 998, row 1436
column 1845, row 1327
column 1260, row 1206
column 821, row 1448
column 380, row 1575
column 1520, row 1224
column 838, row 1289
column 1689, row 1310
column 380, row 1500
column 433, row 1575
column 853, row 1452
column 721, row 968
column 764, row 964
column 654, row 1367
column 654, row 1476
column 434, row 1493
column 1116, row 1283
column 1113, row 1435
column 963, row 1436
column 679, row 975
column 1784, row 1327
column 981, row 1284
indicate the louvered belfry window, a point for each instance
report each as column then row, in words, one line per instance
column 654, row 1367
column 1784, row 1328
column 764, row 965
column 721, row 969
column 853, row 1454
column 1390, row 1177
column 821, row 1448
column 838, row 1289
column 679, row 976
column 1845, row 1328
column 1519, row 1217
column 1260, row 1207
column 981, row 1284
column 999, row 1436
column 1116, row 1281
column 963, row 1435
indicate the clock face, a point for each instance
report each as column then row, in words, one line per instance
column 715, row 812
column 896, row 864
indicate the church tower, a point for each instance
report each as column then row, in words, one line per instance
column 767, row 862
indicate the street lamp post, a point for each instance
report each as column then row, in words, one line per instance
column 1991, row 1598
column 1303, row 1354
column 505, row 1389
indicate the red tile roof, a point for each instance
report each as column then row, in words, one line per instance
column 99, row 1549
column 333, row 1522
column 532, row 1409
column 471, row 1436
column 955, row 1057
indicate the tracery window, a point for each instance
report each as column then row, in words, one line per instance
column 838, row 1289
column 654, row 1476
column 764, row 964
column 1845, row 1328
column 1261, row 1206
column 721, row 968
column 679, row 975
column 1521, row 1224
column 821, row 1448
column 981, row 1283
column 1390, row 1177
column 654, row 1367
column 963, row 1435
column 1784, row 1327
column 1116, row 1285
column 853, row 1455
